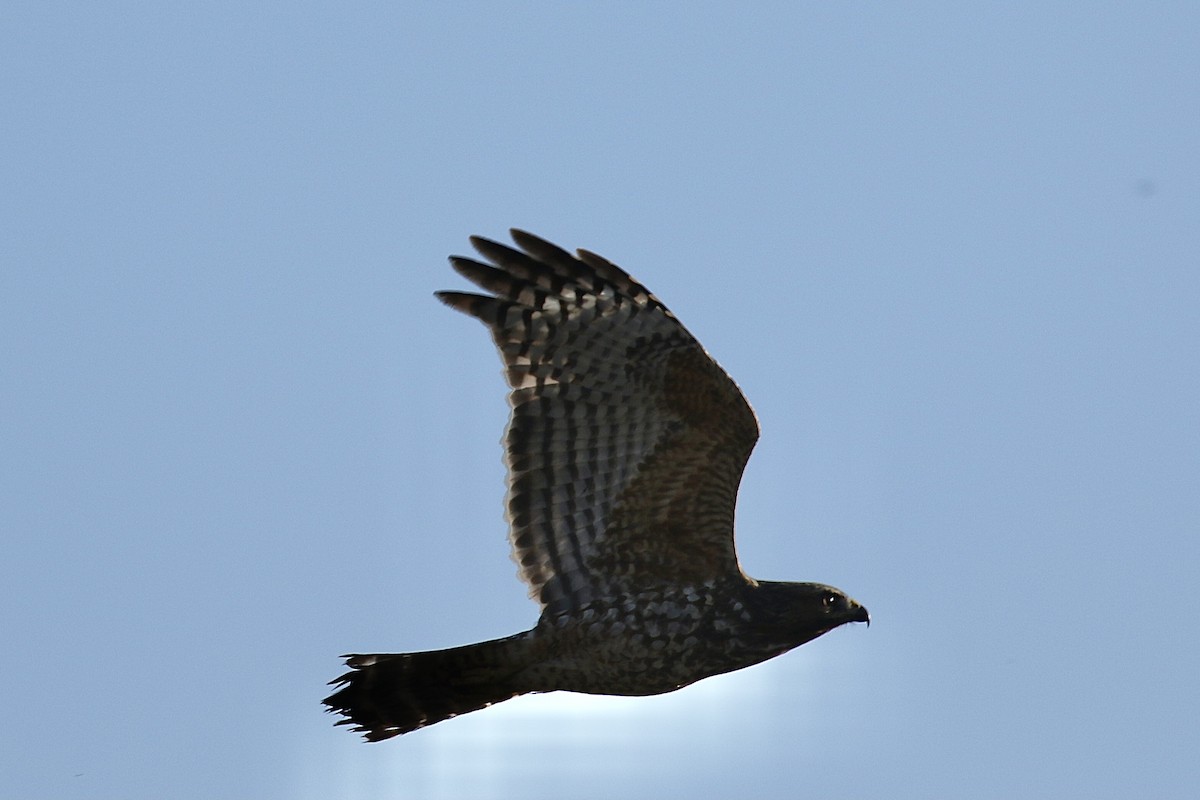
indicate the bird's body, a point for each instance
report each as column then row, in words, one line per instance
column 625, row 450
column 656, row 642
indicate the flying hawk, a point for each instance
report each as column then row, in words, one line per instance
column 624, row 451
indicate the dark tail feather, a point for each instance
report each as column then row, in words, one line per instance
column 386, row 694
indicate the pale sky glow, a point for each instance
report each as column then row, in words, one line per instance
column 949, row 251
column 489, row 755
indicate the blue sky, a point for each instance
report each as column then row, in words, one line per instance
column 949, row 252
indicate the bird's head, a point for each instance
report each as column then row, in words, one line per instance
column 800, row 612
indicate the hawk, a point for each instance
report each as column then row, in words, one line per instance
column 624, row 450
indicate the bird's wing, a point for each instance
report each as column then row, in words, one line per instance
column 626, row 442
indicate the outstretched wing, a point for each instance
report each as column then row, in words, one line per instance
column 626, row 442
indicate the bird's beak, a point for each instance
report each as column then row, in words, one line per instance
column 861, row 615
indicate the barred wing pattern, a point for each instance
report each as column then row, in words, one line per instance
column 626, row 442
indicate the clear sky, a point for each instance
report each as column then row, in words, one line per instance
column 949, row 251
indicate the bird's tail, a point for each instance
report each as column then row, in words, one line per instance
column 386, row 694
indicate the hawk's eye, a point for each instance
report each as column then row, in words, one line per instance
column 829, row 600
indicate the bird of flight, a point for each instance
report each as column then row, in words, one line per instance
column 624, row 450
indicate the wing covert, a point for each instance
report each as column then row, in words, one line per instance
column 626, row 441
